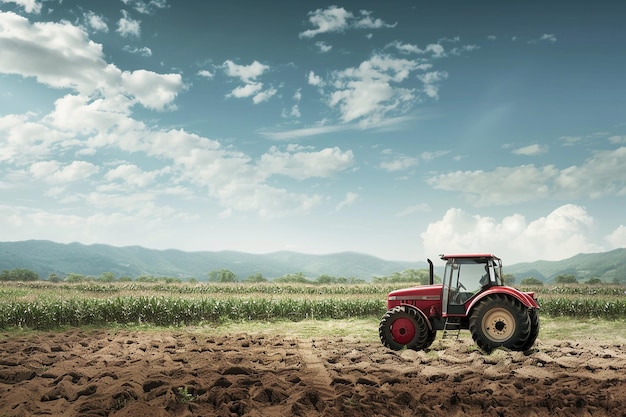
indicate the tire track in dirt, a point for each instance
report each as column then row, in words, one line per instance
column 315, row 373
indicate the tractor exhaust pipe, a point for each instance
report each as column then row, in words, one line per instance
column 431, row 269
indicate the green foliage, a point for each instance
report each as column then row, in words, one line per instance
column 298, row 278
column 45, row 305
column 256, row 278
column 222, row 275
column 74, row 278
column 508, row 279
column 412, row 276
column 18, row 274
column 167, row 311
column 531, row 281
column 54, row 277
column 565, row 279
column 106, row 277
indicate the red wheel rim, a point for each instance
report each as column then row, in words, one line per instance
column 403, row 330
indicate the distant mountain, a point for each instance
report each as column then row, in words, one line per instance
column 608, row 266
column 45, row 257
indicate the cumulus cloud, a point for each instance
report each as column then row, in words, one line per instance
column 398, row 163
column 143, row 51
column 563, row 233
column 617, row 238
column 600, row 175
column 315, row 80
column 94, row 120
column 146, row 7
column 373, row 89
column 350, row 199
column 531, row 150
column 299, row 164
column 127, row 26
column 546, row 37
column 323, row 47
column 30, row 6
column 54, row 172
column 249, row 74
column 206, row 74
column 96, row 22
column 61, row 55
column 132, row 175
column 338, row 19
column 435, row 49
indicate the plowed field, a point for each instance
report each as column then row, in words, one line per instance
column 188, row 373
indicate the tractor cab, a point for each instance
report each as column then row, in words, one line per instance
column 465, row 276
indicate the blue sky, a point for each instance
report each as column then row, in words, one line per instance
column 400, row 131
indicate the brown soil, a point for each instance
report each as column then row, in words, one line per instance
column 149, row 374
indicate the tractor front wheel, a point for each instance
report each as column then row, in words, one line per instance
column 403, row 327
column 500, row 321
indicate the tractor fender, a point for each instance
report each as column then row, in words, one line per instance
column 420, row 312
column 524, row 298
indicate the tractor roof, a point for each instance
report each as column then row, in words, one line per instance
column 468, row 256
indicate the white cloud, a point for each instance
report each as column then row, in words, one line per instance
column 314, row 80
column 264, row 96
column 96, row 22
column 367, row 93
column 531, row 150
column 303, row 165
column 546, row 37
column 61, row 55
column 247, row 73
column 96, row 120
column 206, row 74
column 246, row 90
column 53, row 172
column 323, row 46
column 338, row 19
column 617, row 139
column 437, row 50
column 600, row 175
column 398, row 163
column 143, row 51
column 617, row 238
column 30, row 6
column 563, row 233
column 132, row 175
column 154, row 91
column 431, row 80
column 146, row 7
column 367, row 22
column 350, row 199
column 127, row 26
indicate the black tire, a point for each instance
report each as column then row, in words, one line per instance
column 534, row 329
column 500, row 321
column 432, row 335
column 403, row 327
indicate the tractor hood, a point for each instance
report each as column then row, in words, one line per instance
column 420, row 293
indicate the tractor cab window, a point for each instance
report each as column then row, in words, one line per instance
column 463, row 278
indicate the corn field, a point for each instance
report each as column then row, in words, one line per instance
column 43, row 305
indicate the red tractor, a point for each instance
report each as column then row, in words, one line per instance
column 472, row 296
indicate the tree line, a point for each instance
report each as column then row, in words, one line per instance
column 409, row 276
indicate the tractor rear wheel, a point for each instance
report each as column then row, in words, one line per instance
column 500, row 321
column 404, row 327
column 534, row 329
